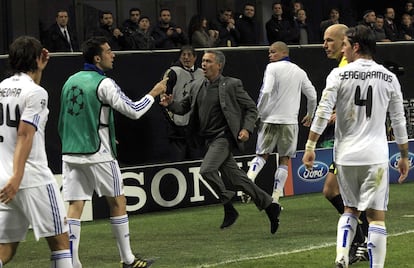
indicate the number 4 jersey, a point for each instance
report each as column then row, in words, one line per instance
column 23, row 100
column 362, row 92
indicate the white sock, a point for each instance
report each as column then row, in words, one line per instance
column 256, row 166
column 377, row 245
column 1, row 264
column 281, row 175
column 74, row 239
column 120, row 229
column 347, row 224
column 61, row 259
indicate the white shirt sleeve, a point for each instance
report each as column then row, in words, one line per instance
column 396, row 113
column 36, row 107
column 309, row 91
column 326, row 104
column 110, row 93
column 269, row 80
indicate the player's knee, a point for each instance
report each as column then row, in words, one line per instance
column 326, row 192
column 7, row 251
column 284, row 160
column 264, row 156
column 58, row 242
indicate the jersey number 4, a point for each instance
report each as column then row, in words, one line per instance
column 9, row 121
column 367, row 102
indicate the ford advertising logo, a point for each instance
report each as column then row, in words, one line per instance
column 319, row 171
column 395, row 157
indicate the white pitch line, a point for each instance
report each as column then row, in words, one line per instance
column 325, row 245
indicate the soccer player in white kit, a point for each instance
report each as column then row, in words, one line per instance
column 278, row 106
column 29, row 194
column 363, row 91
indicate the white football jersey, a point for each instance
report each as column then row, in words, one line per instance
column 23, row 100
column 363, row 91
column 282, row 88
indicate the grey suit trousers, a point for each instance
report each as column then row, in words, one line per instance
column 220, row 158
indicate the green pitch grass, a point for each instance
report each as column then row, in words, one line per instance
column 191, row 237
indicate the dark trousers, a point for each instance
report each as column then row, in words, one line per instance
column 220, row 158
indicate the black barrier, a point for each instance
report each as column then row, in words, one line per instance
column 145, row 140
column 175, row 185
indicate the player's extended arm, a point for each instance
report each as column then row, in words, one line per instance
column 309, row 155
column 403, row 163
column 23, row 147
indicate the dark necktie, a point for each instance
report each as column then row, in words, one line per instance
column 68, row 39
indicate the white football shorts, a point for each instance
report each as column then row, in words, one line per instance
column 41, row 207
column 280, row 136
column 364, row 187
column 81, row 180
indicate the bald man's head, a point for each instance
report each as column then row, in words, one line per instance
column 333, row 40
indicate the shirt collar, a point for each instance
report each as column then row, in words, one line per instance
column 92, row 67
column 285, row 59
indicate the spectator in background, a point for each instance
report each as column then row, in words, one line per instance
column 369, row 19
column 305, row 33
column 106, row 28
column 60, row 36
column 279, row 28
column 379, row 30
column 296, row 6
column 183, row 144
column 407, row 29
column 198, row 33
column 229, row 35
column 248, row 27
column 131, row 25
column 166, row 34
column 409, row 7
column 390, row 27
column 333, row 19
column 142, row 37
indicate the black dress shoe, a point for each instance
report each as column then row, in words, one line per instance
column 230, row 215
column 273, row 212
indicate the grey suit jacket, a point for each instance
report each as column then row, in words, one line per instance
column 237, row 106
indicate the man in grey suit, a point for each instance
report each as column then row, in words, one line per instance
column 224, row 115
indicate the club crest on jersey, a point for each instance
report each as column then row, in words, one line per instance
column 395, row 157
column 318, row 172
column 43, row 103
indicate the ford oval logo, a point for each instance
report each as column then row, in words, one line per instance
column 395, row 157
column 319, row 171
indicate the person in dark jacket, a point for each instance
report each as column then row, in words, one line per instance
column 223, row 114
column 131, row 25
column 166, row 34
column 60, row 36
column 229, row 36
column 248, row 27
column 282, row 29
column 142, row 37
column 106, row 28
